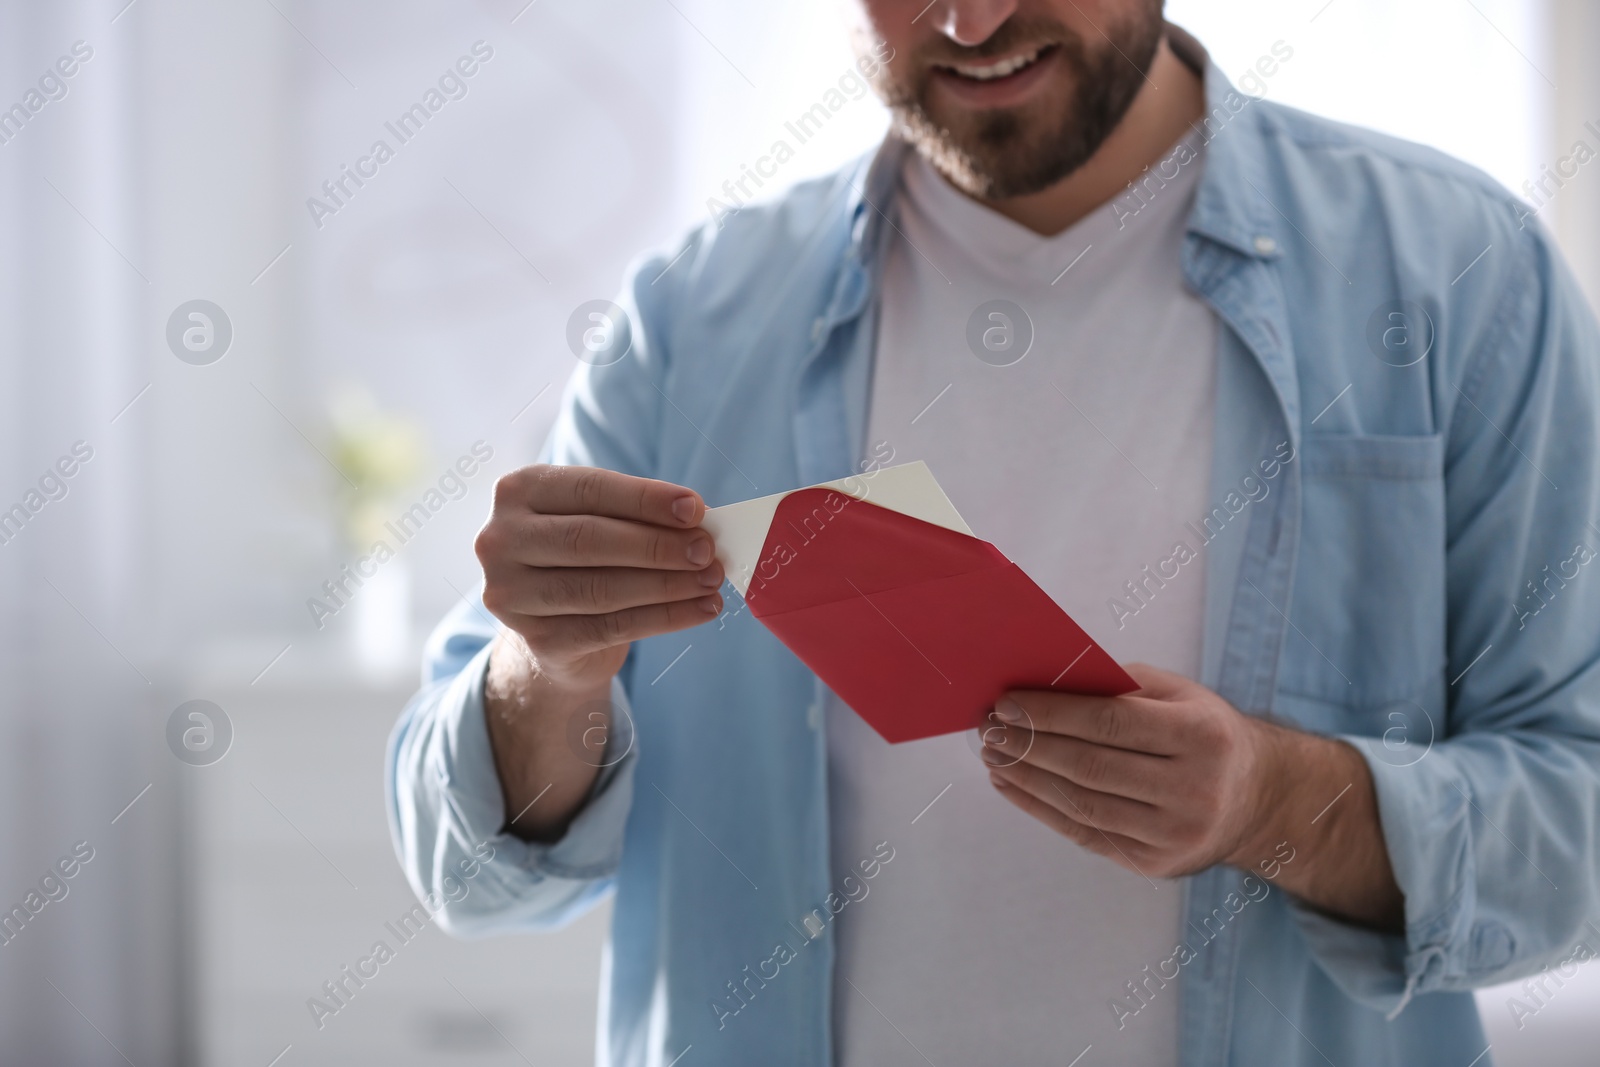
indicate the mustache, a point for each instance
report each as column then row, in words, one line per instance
column 1013, row 35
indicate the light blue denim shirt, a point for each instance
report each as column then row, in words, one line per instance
column 1419, row 579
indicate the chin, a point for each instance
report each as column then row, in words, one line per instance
column 998, row 154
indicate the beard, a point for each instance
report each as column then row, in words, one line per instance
column 1000, row 153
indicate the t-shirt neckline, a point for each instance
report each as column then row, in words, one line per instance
column 1009, row 245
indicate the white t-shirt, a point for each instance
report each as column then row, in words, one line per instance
column 991, row 938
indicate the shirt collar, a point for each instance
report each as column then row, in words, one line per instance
column 1229, row 206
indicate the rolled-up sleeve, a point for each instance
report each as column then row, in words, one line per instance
column 1492, row 833
column 446, row 808
column 447, row 811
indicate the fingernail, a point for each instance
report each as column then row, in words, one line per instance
column 993, row 757
column 710, row 604
column 710, row 577
column 1008, row 711
column 998, row 782
column 683, row 509
column 700, row 551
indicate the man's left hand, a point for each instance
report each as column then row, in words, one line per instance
column 1164, row 781
column 1172, row 779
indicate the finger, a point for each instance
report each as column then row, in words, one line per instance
column 1102, row 812
column 1157, row 683
column 593, row 590
column 598, row 541
column 560, row 490
column 1123, row 851
column 571, row 635
column 1135, row 775
column 1137, row 724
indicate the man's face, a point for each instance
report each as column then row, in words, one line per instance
column 1007, row 97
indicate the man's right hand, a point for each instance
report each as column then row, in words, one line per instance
column 578, row 563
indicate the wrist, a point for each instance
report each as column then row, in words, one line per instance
column 1267, row 796
column 544, row 773
column 516, row 676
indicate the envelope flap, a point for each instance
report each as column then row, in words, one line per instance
column 741, row 529
column 824, row 545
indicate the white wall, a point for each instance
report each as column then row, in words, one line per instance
column 1464, row 77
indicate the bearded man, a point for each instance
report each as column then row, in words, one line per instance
column 1299, row 421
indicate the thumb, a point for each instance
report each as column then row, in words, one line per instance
column 1155, row 682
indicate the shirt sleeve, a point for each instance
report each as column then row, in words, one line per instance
column 447, row 811
column 446, row 808
column 1492, row 833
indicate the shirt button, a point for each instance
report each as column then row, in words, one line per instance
column 817, row 327
column 814, row 716
column 1266, row 245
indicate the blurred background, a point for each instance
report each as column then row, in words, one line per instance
column 219, row 381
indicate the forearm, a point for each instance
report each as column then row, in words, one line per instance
column 1318, row 795
column 543, row 773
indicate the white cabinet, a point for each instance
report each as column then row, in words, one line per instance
column 290, row 877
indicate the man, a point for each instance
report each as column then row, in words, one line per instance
column 1299, row 421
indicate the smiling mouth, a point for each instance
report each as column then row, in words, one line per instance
column 996, row 70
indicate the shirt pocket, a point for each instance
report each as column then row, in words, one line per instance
column 1368, row 607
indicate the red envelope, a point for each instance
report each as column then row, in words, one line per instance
column 918, row 628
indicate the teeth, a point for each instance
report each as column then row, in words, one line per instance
column 997, row 70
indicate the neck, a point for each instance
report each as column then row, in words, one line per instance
column 1170, row 102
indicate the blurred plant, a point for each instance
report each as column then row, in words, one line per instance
column 383, row 453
